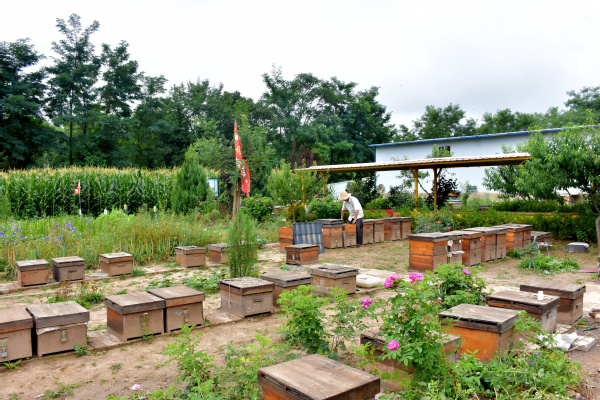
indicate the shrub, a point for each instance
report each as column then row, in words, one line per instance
column 363, row 188
column 259, row 208
column 547, row 264
column 458, row 285
column 380, row 203
column 297, row 213
column 401, row 197
column 433, row 221
column 242, row 247
column 191, row 189
column 445, row 186
column 327, row 207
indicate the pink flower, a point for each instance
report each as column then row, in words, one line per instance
column 466, row 271
column 393, row 345
column 395, row 277
column 415, row 277
column 366, row 303
column 136, row 387
column 388, row 283
column 439, row 299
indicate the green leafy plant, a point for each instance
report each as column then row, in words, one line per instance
column 137, row 272
column 12, row 365
column 456, row 285
column 326, row 207
column 548, row 264
column 115, row 367
column 242, row 247
column 81, row 351
column 191, row 188
column 208, row 285
column 434, row 221
column 257, row 207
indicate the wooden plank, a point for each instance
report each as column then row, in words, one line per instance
column 178, row 295
column 428, row 248
column 564, row 290
column 130, row 303
column 425, row 263
column 480, row 317
column 286, row 232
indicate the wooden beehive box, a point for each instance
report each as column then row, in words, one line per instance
column 190, row 256
column 286, row 237
column 482, row 329
column 32, row 272
column 349, row 235
column 58, row 326
column 392, row 228
column 570, row 307
column 183, row 305
column 285, row 280
column 68, row 268
column 501, row 240
column 471, row 247
column 514, row 236
column 15, row 334
column 332, row 233
column 133, row 315
column 541, row 237
column 451, row 346
column 526, row 234
column 427, row 250
column 302, row 254
column 368, row 236
column 246, row 296
column 488, row 241
column 378, row 230
column 116, row 264
column 217, row 253
column 454, row 247
column 544, row 310
column 316, row 378
column 327, row 276
column 406, row 222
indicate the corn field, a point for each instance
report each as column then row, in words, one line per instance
column 50, row 192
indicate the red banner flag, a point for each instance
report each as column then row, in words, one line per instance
column 78, row 190
column 241, row 164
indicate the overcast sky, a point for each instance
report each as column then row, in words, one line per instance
column 483, row 55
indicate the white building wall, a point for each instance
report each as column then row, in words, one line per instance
column 476, row 146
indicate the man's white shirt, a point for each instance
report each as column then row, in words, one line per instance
column 352, row 206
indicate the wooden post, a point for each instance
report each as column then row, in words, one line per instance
column 236, row 199
column 415, row 173
column 324, row 184
column 435, row 176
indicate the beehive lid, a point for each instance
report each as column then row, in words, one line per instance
column 246, row 285
column 301, row 246
column 31, row 265
column 378, row 221
column 468, row 234
column 218, row 247
column 116, row 257
column 190, row 250
column 333, row 271
column 287, row 278
column 485, row 230
column 541, row 234
column 564, row 290
column 513, row 227
column 331, row 222
column 455, row 235
column 392, row 219
column 130, row 303
column 368, row 221
column 379, row 343
column 319, row 378
column 523, row 301
column 481, row 318
column 178, row 295
column 405, row 218
column 429, row 237
column 15, row 319
column 72, row 261
column 58, row 314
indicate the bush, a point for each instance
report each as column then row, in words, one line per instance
column 547, row 264
column 259, row 208
column 433, row 221
column 445, row 186
column 191, row 189
column 242, row 243
column 327, row 207
column 458, row 285
column 401, row 197
column 380, row 203
column 543, row 206
column 363, row 188
column 297, row 213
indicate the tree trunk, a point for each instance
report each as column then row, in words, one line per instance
column 236, row 200
column 598, row 237
column 71, row 143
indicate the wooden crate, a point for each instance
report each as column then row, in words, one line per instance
column 516, row 235
column 286, row 237
column 116, row 264
column 544, row 310
column 332, row 233
column 488, row 241
column 349, row 235
column 283, row 243
column 68, row 268
column 183, row 305
column 316, row 378
column 486, row 330
column 133, row 315
column 327, row 276
column 378, row 230
column 471, row 247
column 570, row 307
column 451, row 346
column 58, row 326
column 501, row 239
column 190, row 256
column 368, row 235
column 33, row 272
column 15, row 334
column 427, row 250
column 285, row 280
column 302, row 254
column 217, row 253
column 246, row 296
column 392, row 228
column 406, row 222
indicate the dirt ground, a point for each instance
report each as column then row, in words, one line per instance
column 115, row 371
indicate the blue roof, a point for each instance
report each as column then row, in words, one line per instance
column 475, row 137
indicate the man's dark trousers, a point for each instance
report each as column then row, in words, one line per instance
column 359, row 225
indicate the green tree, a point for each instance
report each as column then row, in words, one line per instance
column 71, row 96
column 506, row 121
column 242, row 242
column 191, row 189
column 438, row 122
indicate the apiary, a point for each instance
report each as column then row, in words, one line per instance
column 15, row 334
column 183, row 305
column 316, row 377
column 544, row 309
column 285, row 280
column 350, row 235
column 32, row 272
column 116, row 264
column 378, row 230
column 471, row 247
column 332, row 232
column 482, row 329
column 58, row 326
column 406, row 226
column 246, row 296
column 68, row 268
column 327, row 276
column 389, row 365
column 392, row 228
column 286, row 237
column 570, row 307
column 427, row 250
column 368, row 234
column 190, row 256
column 133, row 315
column 302, row 254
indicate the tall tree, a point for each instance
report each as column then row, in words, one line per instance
column 75, row 71
column 506, row 121
column 438, row 122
